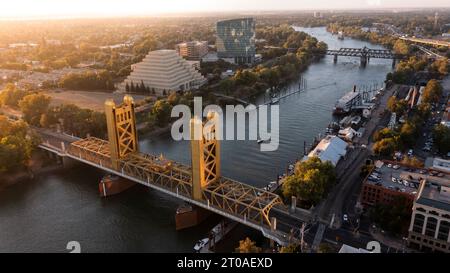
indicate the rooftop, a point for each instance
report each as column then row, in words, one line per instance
column 407, row 180
column 348, row 97
column 436, row 196
column 331, row 148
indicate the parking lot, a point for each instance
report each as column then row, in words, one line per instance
column 404, row 179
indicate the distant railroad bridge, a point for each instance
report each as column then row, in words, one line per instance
column 365, row 54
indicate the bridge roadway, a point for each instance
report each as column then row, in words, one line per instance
column 427, row 41
column 239, row 202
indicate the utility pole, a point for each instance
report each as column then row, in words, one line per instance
column 302, row 233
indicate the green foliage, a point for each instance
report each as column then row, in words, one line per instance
column 406, row 69
column 394, row 217
column 441, row 135
column 292, row 248
column 88, row 80
column 15, row 144
column 161, row 112
column 383, row 133
column 386, row 146
column 397, row 106
column 11, row 95
column 33, row 107
column 310, row 182
column 401, row 47
column 365, row 170
column 432, row 92
column 413, row 162
column 440, row 66
column 76, row 121
column 247, row 246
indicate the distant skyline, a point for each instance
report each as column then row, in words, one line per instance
column 83, row 8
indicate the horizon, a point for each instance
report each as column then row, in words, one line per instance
column 71, row 9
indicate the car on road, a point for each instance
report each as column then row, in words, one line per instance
column 345, row 217
column 440, row 175
column 389, row 165
column 200, row 244
column 394, row 179
column 423, row 171
column 410, row 152
column 396, row 167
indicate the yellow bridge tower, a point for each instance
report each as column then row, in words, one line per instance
column 205, row 154
column 122, row 135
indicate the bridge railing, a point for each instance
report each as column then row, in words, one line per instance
column 243, row 201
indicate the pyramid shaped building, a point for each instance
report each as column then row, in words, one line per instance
column 162, row 72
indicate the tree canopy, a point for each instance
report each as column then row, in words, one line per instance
column 311, row 180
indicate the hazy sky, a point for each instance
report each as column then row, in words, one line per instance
column 26, row 8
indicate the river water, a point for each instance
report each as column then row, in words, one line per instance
column 44, row 214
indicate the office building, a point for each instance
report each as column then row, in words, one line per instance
column 236, row 40
column 194, row 51
column 162, row 72
column 430, row 222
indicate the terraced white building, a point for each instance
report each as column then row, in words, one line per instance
column 162, row 72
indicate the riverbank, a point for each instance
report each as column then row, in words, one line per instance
column 38, row 165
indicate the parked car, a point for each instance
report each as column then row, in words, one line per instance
column 200, row 244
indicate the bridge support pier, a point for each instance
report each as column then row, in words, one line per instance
column 111, row 185
column 67, row 162
column 394, row 62
column 190, row 216
column 335, row 58
column 363, row 61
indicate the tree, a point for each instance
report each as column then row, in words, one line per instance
column 33, row 107
column 408, row 134
column 383, row 133
column 441, row 66
column 325, row 248
column 401, row 47
column 397, row 106
column 173, row 99
column 292, row 248
column 432, row 92
column 394, row 217
column 247, row 246
column 413, row 162
column 386, row 146
column 310, row 182
column 161, row 112
column 15, row 144
column 441, row 135
column 11, row 95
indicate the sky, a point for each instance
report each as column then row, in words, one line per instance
column 60, row 8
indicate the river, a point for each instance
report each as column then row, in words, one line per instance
column 43, row 214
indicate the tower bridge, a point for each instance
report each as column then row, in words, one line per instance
column 200, row 184
column 365, row 54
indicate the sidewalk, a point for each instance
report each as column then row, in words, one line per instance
column 389, row 241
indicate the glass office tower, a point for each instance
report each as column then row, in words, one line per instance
column 236, row 40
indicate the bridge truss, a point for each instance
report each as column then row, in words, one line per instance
column 365, row 53
column 237, row 199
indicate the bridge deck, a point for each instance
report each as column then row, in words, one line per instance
column 232, row 197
